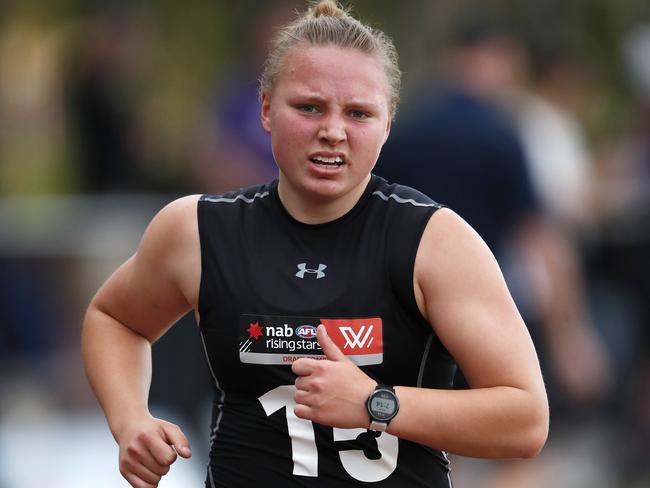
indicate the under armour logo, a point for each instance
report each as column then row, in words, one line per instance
column 302, row 269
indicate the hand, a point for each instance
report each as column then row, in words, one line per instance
column 147, row 450
column 332, row 391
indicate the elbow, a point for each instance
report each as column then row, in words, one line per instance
column 532, row 441
column 535, row 426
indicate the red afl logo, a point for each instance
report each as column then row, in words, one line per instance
column 306, row 331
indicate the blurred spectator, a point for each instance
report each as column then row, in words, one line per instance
column 461, row 147
column 234, row 150
column 623, row 247
column 111, row 51
column 31, row 162
column 545, row 95
column 553, row 138
column 457, row 146
column 32, row 149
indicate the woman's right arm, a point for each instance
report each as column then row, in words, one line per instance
column 136, row 305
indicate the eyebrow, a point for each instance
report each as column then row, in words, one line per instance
column 311, row 98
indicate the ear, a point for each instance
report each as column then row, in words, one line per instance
column 265, row 113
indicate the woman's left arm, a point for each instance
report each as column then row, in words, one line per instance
column 461, row 292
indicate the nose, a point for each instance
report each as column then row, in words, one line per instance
column 333, row 130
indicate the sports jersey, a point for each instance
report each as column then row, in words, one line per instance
column 267, row 282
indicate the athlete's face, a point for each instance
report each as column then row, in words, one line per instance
column 328, row 116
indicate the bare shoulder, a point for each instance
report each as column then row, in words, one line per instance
column 462, row 293
column 174, row 229
column 449, row 245
column 457, row 278
column 170, row 245
column 179, row 214
column 160, row 282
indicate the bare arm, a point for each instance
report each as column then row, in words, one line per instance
column 135, row 306
column 461, row 292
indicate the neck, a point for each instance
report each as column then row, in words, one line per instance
column 313, row 210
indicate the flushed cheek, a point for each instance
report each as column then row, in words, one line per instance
column 288, row 150
column 292, row 139
column 366, row 143
column 298, row 136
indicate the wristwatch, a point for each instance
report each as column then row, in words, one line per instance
column 382, row 405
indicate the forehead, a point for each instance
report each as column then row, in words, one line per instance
column 333, row 71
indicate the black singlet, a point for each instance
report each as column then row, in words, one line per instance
column 267, row 281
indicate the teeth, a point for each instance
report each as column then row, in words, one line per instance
column 327, row 160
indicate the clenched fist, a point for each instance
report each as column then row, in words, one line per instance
column 148, row 448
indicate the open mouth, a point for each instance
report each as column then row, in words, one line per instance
column 333, row 161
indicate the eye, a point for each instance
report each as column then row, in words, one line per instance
column 308, row 109
column 358, row 114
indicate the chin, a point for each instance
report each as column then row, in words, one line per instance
column 325, row 189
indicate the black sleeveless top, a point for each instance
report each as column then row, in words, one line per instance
column 267, row 282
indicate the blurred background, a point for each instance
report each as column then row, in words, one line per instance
column 530, row 118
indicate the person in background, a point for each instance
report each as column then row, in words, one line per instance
column 461, row 145
column 102, row 111
column 233, row 150
column 622, row 249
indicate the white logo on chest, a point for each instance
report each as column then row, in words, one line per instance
column 302, row 269
column 357, row 339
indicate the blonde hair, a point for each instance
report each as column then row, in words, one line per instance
column 326, row 23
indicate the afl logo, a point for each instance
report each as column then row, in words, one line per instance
column 306, row 331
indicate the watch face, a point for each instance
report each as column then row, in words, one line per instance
column 382, row 405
